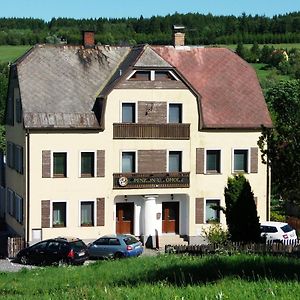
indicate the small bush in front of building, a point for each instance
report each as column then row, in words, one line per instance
column 216, row 234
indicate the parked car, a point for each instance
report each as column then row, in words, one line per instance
column 59, row 250
column 278, row 232
column 115, row 246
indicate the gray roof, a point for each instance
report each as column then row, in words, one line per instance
column 59, row 84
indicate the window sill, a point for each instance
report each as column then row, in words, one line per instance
column 59, row 226
column 86, row 225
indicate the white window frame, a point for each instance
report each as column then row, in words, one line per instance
column 168, row 156
column 79, row 211
column 136, row 159
column 95, row 163
column 168, row 109
column 52, row 162
column 136, row 110
column 205, row 201
column 51, row 212
column 248, row 161
column 205, row 160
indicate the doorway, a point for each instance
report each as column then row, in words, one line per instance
column 170, row 217
column 124, row 218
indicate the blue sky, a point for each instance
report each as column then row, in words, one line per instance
column 46, row 9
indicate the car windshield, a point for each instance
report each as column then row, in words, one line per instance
column 270, row 229
column 286, row 228
column 130, row 240
column 77, row 245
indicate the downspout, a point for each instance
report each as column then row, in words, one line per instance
column 268, row 190
column 28, row 187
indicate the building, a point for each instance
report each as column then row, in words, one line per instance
column 141, row 140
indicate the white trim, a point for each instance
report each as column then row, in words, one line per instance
column 130, row 75
column 121, row 160
column 207, row 199
column 205, row 155
column 173, row 74
column 152, row 75
column 95, row 211
column 168, row 155
column 248, row 160
column 51, row 212
column 52, row 162
column 135, row 109
column 95, row 163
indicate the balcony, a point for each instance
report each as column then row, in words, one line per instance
column 151, row 180
column 176, row 131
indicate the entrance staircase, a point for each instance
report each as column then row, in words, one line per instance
column 174, row 239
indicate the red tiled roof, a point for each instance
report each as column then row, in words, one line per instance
column 230, row 94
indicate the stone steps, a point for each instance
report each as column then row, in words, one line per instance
column 171, row 240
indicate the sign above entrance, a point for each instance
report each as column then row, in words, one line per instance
column 146, row 181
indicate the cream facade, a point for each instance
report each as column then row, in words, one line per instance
column 87, row 173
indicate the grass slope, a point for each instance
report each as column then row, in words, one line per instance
column 11, row 53
column 162, row 277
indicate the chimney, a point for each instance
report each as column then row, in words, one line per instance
column 178, row 35
column 88, row 39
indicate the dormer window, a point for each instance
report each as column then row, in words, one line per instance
column 152, row 75
column 141, row 76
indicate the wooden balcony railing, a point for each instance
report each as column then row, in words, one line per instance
column 151, row 180
column 176, row 131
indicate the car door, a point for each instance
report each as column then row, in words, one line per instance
column 99, row 247
column 52, row 252
column 37, row 253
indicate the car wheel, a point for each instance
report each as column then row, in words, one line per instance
column 118, row 255
column 24, row 260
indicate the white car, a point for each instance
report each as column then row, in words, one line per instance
column 278, row 232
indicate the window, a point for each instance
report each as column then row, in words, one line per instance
column 175, row 113
column 141, row 75
column 128, row 112
column 213, row 161
column 128, row 162
column 18, row 158
column 211, row 214
column 87, row 213
column 240, row 160
column 59, row 214
column 18, row 110
column 175, row 161
column 59, row 164
column 87, row 164
column 163, row 76
column 19, row 208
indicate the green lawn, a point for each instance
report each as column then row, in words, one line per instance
column 11, row 53
column 162, row 277
column 265, row 74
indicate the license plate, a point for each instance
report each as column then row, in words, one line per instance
column 80, row 253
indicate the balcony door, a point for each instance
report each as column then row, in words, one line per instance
column 170, row 217
column 124, row 218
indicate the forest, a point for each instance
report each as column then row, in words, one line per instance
column 201, row 29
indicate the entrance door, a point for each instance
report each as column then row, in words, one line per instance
column 124, row 218
column 170, row 217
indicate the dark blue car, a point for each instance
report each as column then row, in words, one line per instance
column 115, row 246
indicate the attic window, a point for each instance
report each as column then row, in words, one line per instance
column 163, row 76
column 141, row 76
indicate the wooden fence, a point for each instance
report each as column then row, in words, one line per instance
column 288, row 249
column 10, row 246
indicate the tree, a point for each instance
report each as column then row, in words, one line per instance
column 280, row 146
column 241, row 214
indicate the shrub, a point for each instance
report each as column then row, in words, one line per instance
column 215, row 234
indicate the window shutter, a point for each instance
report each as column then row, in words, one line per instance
column 45, row 214
column 254, row 160
column 199, row 211
column 200, row 161
column 100, row 163
column 100, row 211
column 46, row 163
